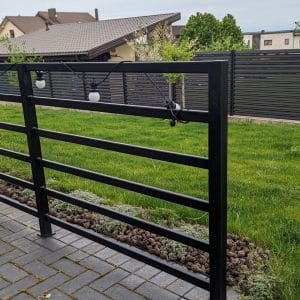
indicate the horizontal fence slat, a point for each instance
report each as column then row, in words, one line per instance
column 153, row 112
column 179, row 158
column 10, row 98
column 17, row 181
column 12, row 127
column 199, row 280
column 129, row 185
column 14, row 154
column 174, row 235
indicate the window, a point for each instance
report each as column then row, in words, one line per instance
column 268, row 42
column 11, row 33
column 286, row 41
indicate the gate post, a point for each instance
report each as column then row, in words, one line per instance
column 34, row 147
column 217, row 131
column 232, row 81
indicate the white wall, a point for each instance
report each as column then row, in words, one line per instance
column 248, row 39
column 277, row 41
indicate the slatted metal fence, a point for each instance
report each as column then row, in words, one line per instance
column 215, row 163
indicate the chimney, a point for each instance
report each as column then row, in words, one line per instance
column 96, row 14
column 52, row 14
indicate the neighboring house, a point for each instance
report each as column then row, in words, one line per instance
column 98, row 41
column 15, row 26
column 176, row 30
column 273, row 40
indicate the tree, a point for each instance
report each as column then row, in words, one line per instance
column 209, row 34
column 161, row 45
column 18, row 55
column 201, row 29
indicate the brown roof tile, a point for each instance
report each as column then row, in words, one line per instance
column 89, row 39
column 27, row 24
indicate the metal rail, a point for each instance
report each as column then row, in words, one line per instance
column 216, row 164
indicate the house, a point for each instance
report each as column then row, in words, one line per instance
column 273, row 40
column 98, row 41
column 15, row 26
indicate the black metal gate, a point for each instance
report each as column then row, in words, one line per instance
column 216, row 163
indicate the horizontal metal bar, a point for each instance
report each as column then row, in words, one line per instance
column 10, row 98
column 18, row 205
column 123, row 109
column 171, row 268
column 184, row 159
column 12, row 127
column 128, row 67
column 129, row 185
column 14, row 154
column 17, row 181
column 169, row 233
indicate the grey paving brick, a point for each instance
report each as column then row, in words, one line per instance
column 3, row 283
column 147, row 272
column 152, row 291
column 50, row 243
column 25, row 245
column 17, row 235
column 108, row 280
column 68, row 267
column 39, row 269
column 119, row 292
column 132, row 281
column 10, row 256
column 33, row 236
column 78, row 282
column 132, row 265
column 105, row 253
column 87, row 293
column 180, row 287
column 96, row 265
column 70, row 238
column 23, row 296
column 56, row 255
column 61, row 233
column 47, row 285
column 78, row 255
column 18, row 287
column 197, row 294
column 81, row 243
column 5, row 232
column 29, row 257
column 5, row 247
column 11, row 272
column 58, row 295
column 163, row 279
column 93, row 248
column 118, row 259
column 13, row 225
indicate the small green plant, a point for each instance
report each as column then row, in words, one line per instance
column 163, row 216
column 18, row 54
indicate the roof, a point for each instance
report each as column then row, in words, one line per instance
column 26, row 24
column 29, row 24
column 269, row 32
column 67, row 17
column 87, row 39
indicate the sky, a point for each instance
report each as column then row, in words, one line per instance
column 251, row 15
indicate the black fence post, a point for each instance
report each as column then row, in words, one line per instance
column 34, row 148
column 125, row 91
column 51, row 85
column 85, row 91
column 217, row 130
column 232, row 81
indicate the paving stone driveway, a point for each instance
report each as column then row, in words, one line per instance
column 67, row 266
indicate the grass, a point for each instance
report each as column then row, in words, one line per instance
column 264, row 173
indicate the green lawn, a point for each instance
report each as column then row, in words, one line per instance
column 264, row 173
